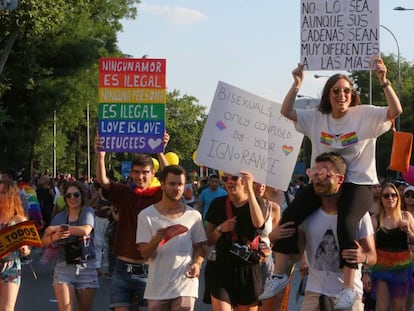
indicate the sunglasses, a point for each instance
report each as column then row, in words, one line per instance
column 388, row 195
column 319, row 175
column 226, row 178
column 409, row 195
column 337, row 90
column 69, row 195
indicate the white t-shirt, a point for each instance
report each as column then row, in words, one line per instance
column 167, row 268
column 353, row 137
column 322, row 249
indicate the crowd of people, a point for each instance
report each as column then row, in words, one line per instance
column 351, row 233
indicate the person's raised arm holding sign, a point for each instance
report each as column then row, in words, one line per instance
column 339, row 124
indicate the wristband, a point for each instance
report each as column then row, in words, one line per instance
column 385, row 84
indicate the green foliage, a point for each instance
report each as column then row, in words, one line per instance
column 185, row 122
column 53, row 67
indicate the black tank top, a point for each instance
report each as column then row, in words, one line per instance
column 394, row 240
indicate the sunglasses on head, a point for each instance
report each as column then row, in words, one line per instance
column 388, row 195
column 226, row 178
column 69, row 195
column 337, row 90
column 409, row 194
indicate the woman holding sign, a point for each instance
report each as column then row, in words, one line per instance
column 75, row 276
column 340, row 124
column 11, row 213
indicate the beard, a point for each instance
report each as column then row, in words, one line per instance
column 324, row 189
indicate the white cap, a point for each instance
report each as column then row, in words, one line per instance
column 409, row 188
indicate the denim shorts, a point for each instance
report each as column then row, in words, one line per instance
column 11, row 271
column 78, row 277
column 128, row 284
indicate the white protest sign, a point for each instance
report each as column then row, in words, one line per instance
column 247, row 132
column 339, row 34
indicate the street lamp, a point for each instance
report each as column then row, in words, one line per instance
column 320, row 76
column 400, row 8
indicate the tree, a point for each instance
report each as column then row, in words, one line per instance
column 185, row 122
column 53, row 67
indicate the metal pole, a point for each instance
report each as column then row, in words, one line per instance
column 398, row 70
column 88, row 139
column 398, row 76
column 54, row 144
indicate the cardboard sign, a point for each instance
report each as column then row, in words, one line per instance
column 132, row 97
column 339, row 34
column 23, row 233
column 245, row 132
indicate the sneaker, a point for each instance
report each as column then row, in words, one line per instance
column 273, row 285
column 345, row 299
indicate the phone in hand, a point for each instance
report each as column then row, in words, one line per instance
column 64, row 227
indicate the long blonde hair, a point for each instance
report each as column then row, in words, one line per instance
column 11, row 204
column 397, row 213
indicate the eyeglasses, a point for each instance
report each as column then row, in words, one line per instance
column 337, row 90
column 393, row 195
column 226, row 178
column 143, row 172
column 69, row 195
column 409, row 194
column 319, row 175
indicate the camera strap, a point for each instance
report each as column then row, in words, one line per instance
column 229, row 214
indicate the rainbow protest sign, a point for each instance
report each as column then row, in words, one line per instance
column 132, row 97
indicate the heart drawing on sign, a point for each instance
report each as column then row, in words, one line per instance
column 154, row 143
column 287, row 149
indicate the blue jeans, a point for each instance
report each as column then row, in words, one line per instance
column 128, row 282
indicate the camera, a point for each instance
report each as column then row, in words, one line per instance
column 241, row 251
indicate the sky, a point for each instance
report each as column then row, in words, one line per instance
column 253, row 45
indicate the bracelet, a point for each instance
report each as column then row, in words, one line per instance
column 385, row 84
column 366, row 259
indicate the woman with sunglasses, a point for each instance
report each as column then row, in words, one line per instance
column 11, row 213
column 341, row 125
column 235, row 281
column 75, row 277
column 392, row 276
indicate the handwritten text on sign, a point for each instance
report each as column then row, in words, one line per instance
column 247, row 132
column 132, row 98
column 339, row 34
column 12, row 238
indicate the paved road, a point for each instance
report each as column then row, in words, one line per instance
column 38, row 294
